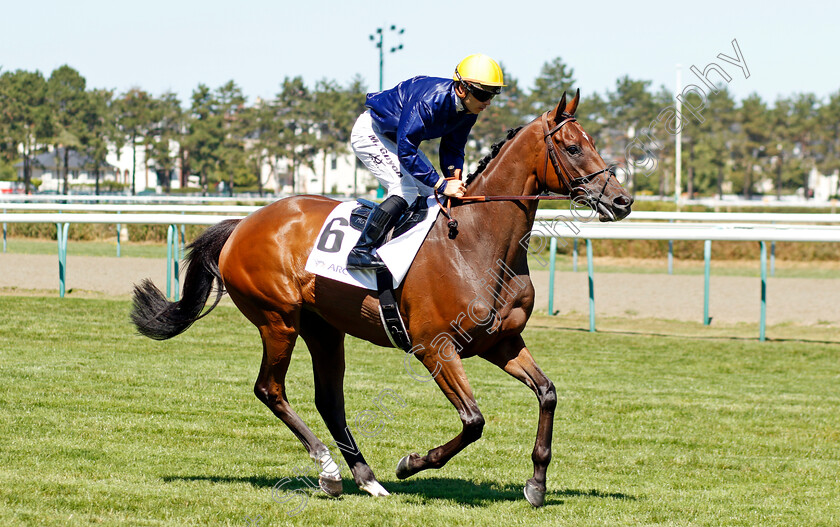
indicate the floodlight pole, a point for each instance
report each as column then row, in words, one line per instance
column 678, row 145
column 380, row 31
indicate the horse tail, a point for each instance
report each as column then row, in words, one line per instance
column 158, row 318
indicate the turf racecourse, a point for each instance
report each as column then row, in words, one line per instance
column 101, row 426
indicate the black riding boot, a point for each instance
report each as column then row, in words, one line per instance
column 381, row 219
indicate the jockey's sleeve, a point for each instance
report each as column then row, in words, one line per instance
column 452, row 146
column 411, row 131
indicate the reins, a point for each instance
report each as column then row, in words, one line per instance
column 483, row 199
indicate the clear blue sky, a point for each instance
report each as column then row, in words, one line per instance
column 789, row 47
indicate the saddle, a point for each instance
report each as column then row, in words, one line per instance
column 389, row 312
column 413, row 215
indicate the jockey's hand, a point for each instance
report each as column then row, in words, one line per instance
column 454, row 188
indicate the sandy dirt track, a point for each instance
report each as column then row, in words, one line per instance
column 677, row 297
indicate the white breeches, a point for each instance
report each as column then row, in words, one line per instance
column 379, row 154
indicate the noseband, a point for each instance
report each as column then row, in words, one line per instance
column 562, row 172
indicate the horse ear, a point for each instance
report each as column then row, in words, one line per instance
column 572, row 108
column 561, row 107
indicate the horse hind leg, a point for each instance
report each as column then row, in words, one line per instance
column 326, row 345
column 278, row 343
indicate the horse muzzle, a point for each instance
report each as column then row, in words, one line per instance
column 612, row 208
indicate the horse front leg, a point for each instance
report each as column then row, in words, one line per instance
column 512, row 356
column 452, row 380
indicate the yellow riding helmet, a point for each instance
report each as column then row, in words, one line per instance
column 482, row 70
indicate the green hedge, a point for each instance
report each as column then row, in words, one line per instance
column 98, row 231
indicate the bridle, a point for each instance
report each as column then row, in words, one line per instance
column 560, row 170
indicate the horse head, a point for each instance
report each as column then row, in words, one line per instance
column 576, row 166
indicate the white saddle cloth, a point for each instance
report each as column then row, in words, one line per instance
column 336, row 238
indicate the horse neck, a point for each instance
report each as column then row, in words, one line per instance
column 513, row 172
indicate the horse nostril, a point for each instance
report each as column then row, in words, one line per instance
column 623, row 201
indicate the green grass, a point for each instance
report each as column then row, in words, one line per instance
column 102, row 426
column 87, row 248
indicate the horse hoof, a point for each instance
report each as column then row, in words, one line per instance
column 534, row 495
column 332, row 486
column 403, row 471
column 374, row 489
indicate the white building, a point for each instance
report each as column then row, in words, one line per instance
column 144, row 176
column 341, row 175
column 823, row 186
column 49, row 168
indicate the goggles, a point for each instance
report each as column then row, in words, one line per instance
column 481, row 93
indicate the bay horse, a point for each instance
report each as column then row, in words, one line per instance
column 260, row 262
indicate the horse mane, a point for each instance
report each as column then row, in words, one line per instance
column 494, row 151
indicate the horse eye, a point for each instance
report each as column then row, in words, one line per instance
column 572, row 149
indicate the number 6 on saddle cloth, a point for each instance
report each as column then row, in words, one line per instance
column 338, row 236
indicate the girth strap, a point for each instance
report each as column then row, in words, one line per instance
column 389, row 312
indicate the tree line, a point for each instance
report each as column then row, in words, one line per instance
column 219, row 136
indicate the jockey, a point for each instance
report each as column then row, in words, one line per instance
column 387, row 138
